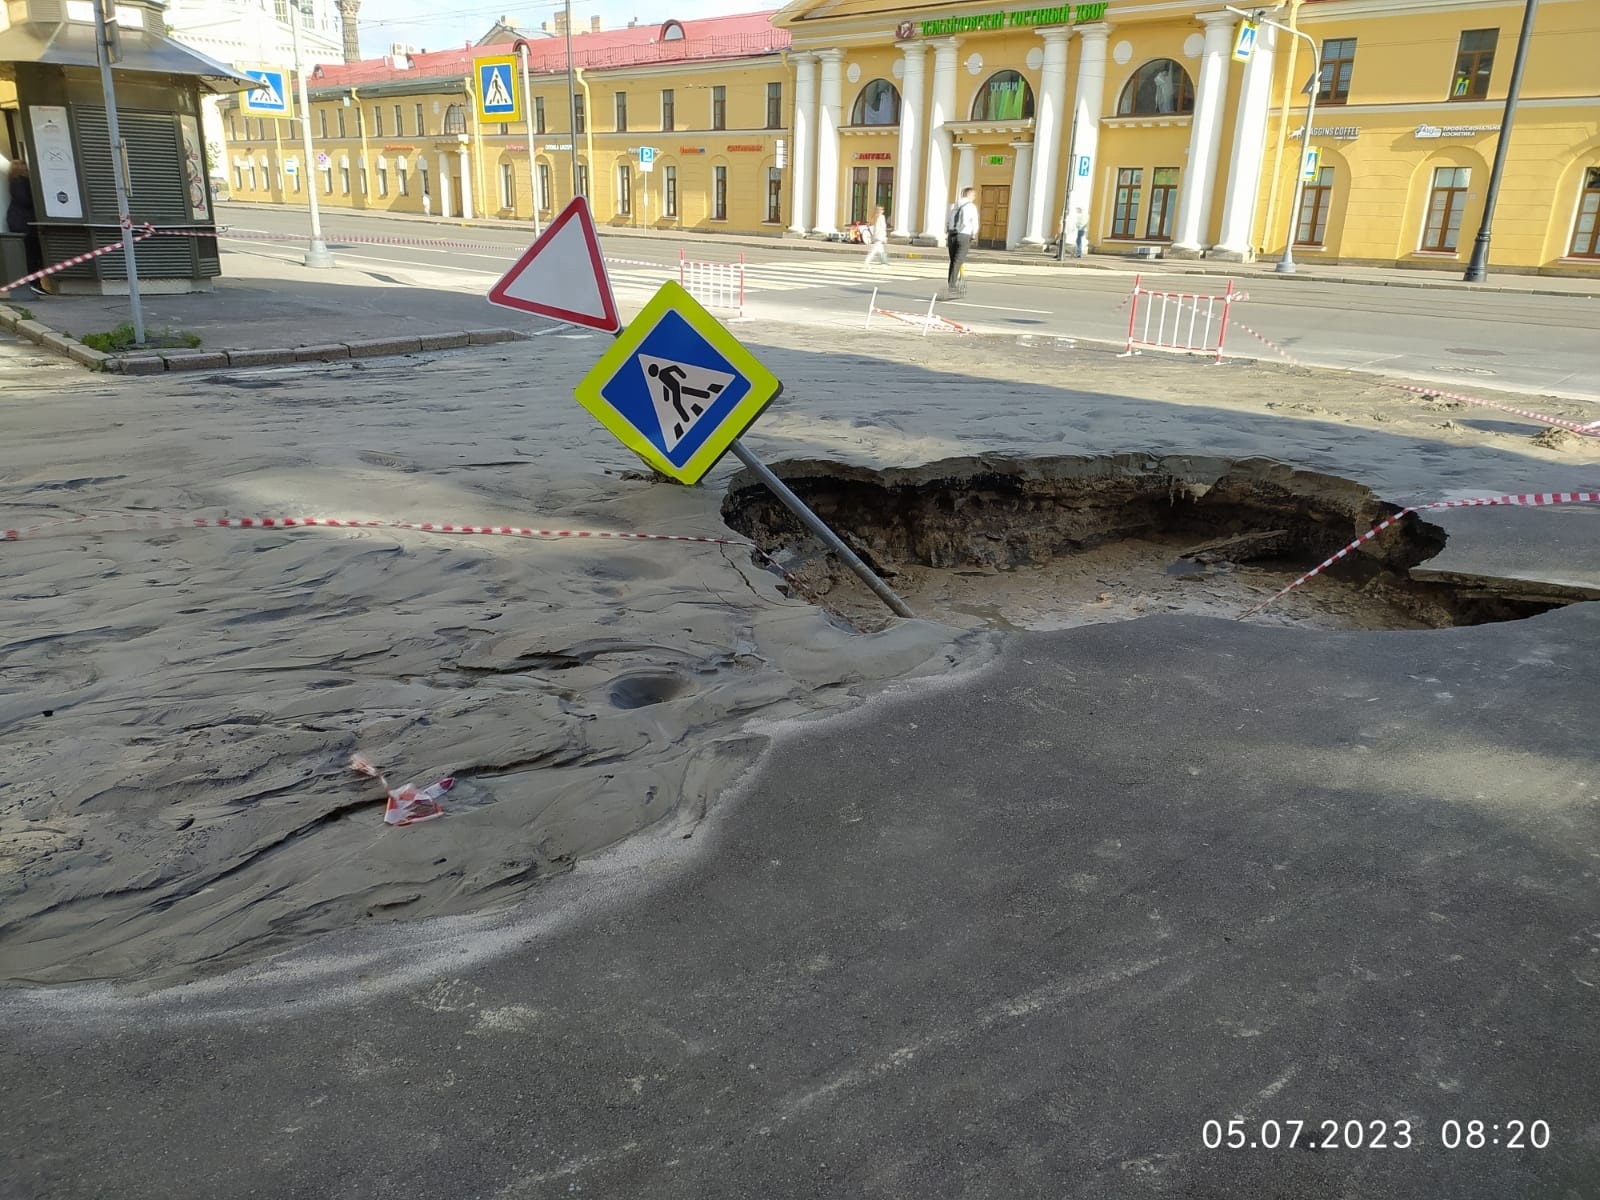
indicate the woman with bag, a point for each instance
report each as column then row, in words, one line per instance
column 876, row 236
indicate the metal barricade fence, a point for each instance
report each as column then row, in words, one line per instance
column 713, row 284
column 1183, row 321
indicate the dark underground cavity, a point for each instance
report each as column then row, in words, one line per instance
column 1242, row 527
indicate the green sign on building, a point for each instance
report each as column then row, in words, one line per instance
column 1062, row 14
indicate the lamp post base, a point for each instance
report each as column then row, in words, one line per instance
column 1285, row 266
column 317, row 255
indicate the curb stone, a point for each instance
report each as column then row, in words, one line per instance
column 372, row 347
column 194, row 360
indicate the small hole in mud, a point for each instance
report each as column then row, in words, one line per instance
column 644, row 688
column 1053, row 543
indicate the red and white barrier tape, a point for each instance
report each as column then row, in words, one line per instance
column 1528, row 500
column 161, row 522
column 259, row 235
column 407, row 805
column 943, row 324
column 1590, row 430
column 78, row 260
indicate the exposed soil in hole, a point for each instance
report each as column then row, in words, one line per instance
column 1051, row 543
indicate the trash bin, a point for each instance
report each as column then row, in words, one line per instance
column 13, row 257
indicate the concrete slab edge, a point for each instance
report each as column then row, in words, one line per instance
column 147, row 362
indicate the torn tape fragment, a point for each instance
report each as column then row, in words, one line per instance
column 407, row 805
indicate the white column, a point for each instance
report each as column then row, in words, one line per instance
column 1249, row 148
column 1048, row 105
column 936, row 201
column 466, row 186
column 800, row 153
column 1017, row 225
column 910, row 157
column 829, row 103
column 444, row 183
column 966, row 165
column 1205, row 134
column 1091, row 91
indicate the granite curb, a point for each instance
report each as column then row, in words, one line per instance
column 157, row 361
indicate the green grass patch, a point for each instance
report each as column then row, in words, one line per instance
column 122, row 338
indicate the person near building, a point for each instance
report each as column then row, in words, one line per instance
column 877, row 236
column 20, row 218
column 1080, row 230
column 960, row 228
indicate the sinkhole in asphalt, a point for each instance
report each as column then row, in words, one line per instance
column 1053, row 543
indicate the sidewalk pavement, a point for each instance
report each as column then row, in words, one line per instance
column 1307, row 267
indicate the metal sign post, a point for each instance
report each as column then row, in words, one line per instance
column 317, row 253
column 108, row 50
column 521, row 48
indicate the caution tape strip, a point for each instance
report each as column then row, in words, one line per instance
column 1527, row 500
column 1590, row 430
column 934, row 322
column 77, row 260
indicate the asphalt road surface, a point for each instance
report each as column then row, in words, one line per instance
column 1530, row 343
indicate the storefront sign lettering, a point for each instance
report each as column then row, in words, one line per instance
column 691, row 149
column 1062, row 14
column 1434, row 131
column 408, row 149
column 1339, row 133
column 996, row 160
column 874, row 156
column 752, row 148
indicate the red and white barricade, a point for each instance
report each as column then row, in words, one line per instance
column 713, row 284
column 1187, row 322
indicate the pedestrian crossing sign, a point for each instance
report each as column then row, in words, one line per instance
column 270, row 96
column 498, row 98
column 676, row 387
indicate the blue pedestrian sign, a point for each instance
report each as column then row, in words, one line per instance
column 498, row 98
column 676, row 387
column 270, row 96
column 1244, row 43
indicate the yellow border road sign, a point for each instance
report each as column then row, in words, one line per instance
column 1244, row 42
column 272, row 98
column 676, row 387
column 1311, row 164
column 498, row 97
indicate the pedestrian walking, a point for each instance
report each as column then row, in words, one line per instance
column 20, row 219
column 877, row 236
column 960, row 228
column 1080, row 225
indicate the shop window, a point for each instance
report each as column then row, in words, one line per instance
column 383, row 181
column 624, row 190
column 1005, row 97
column 883, row 194
column 774, row 106
column 455, row 119
column 1338, row 64
column 1125, row 213
column 1586, row 233
column 877, row 104
column 578, row 118
column 344, row 179
column 1314, row 201
column 1159, row 87
column 719, row 107
column 1474, row 64
column 1163, row 203
column 422, row 179
column 858, row 195
column 508, row 186
column 719, row 193
column 775, row 196
column 538, row 114
column 402, row 180
column 1446, row 203
column 669, row 191
column 669, row 119
column 545, row 190
column 622, row 112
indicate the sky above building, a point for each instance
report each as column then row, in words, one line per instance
column 445, row 24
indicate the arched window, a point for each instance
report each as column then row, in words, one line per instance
column 1160, row 86
column 671, row 31
column 455, row 119
column 1006, row 97
column 878, row 104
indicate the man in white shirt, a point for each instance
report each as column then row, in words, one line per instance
column 961, row 226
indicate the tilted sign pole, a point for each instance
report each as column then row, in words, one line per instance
column 521, row 48
column 1478, row 266
column 108, row 50
column 814, row 523
column 317, row 253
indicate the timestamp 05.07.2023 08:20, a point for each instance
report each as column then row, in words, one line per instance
column 1353, row 1134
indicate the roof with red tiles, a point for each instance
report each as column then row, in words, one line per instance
column 713, row 37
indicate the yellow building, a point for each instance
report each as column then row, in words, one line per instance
column 1138, row 115
column 709, row 97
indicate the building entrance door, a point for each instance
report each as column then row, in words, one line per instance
column 994, row 216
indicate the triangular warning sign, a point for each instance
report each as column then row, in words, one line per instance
column 265, row 95
column 496, row 97
column 562, row 275
column 682, row 393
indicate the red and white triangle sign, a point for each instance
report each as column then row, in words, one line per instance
column 562, row 275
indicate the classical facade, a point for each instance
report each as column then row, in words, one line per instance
column 1138, row 115
column 709, row 98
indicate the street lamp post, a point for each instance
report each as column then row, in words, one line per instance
column 1285, row 264
column 317, row 253
column 107, row 44
column 1478, row 267
column 572, row 103
column 520, row 46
